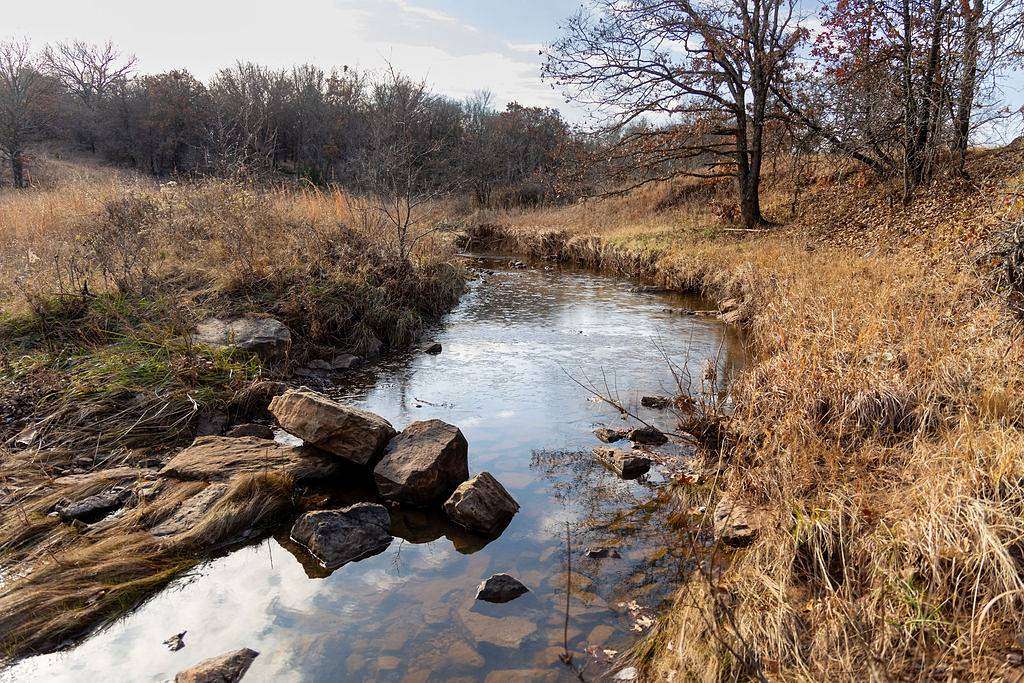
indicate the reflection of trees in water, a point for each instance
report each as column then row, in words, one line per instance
column 640, row 518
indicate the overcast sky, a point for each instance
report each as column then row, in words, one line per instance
column 459, row 46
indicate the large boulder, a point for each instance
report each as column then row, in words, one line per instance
column 481, row 504
column 266, row 337
column 424, row 464
column 337, row 537
column 227, row 668
column 218, row 458
column 349, row 433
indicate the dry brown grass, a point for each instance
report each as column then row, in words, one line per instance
column 878, row 434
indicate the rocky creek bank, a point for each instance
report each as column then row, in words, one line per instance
column 226, row 490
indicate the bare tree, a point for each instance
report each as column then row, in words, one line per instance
column 87, row 71
column 992, row 42
column 89, row 74
column 20, row 82
column 897, row 83
column 395, row 170
column 706, row 64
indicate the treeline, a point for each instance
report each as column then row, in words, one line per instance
column 342, row 126
column 704, row 88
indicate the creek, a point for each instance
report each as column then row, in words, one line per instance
column 520, row 354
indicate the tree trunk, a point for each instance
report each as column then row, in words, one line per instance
column 910, row 151
column 968, row 82
column 750, row 201
column 17, row 170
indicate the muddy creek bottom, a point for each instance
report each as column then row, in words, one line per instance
column 515, row 353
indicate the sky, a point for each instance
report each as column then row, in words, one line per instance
column 458, row 46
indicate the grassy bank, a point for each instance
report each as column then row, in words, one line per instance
column 103, row 280
column 877, row 438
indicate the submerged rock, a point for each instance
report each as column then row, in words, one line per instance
column 733, row 523
column 227, row 668
column 623, row 463
column 602, row 553
column 94, row 508
column 354, row 435
column 345, row 361
column 500, row 588
column 424, row 464
column 190, row 511
column 659, row 402
column 646, row 434
column 609, row 435
column 266, row 337
column 337, row 537
column 481, row 504
column 433, row 349
column 251, row 429
column 508, row 632
column 218, row 458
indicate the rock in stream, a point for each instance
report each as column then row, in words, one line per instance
column 337, row 537
column 481, row 504
column 352, row 434
column 424, row 464
column 500, row 588
column 227, row 668
column 651, row 436
column 626, row 464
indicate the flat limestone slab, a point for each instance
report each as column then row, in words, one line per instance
column 218, row 458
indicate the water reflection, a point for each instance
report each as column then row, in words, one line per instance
column 512, row 351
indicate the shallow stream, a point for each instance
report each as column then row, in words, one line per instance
column 520, row 353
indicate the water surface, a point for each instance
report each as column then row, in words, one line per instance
column 516, row 351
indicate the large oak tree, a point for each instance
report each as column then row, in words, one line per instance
column 700, row 72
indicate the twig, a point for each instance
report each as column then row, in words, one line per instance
column 568, row 593
column 566, row 656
